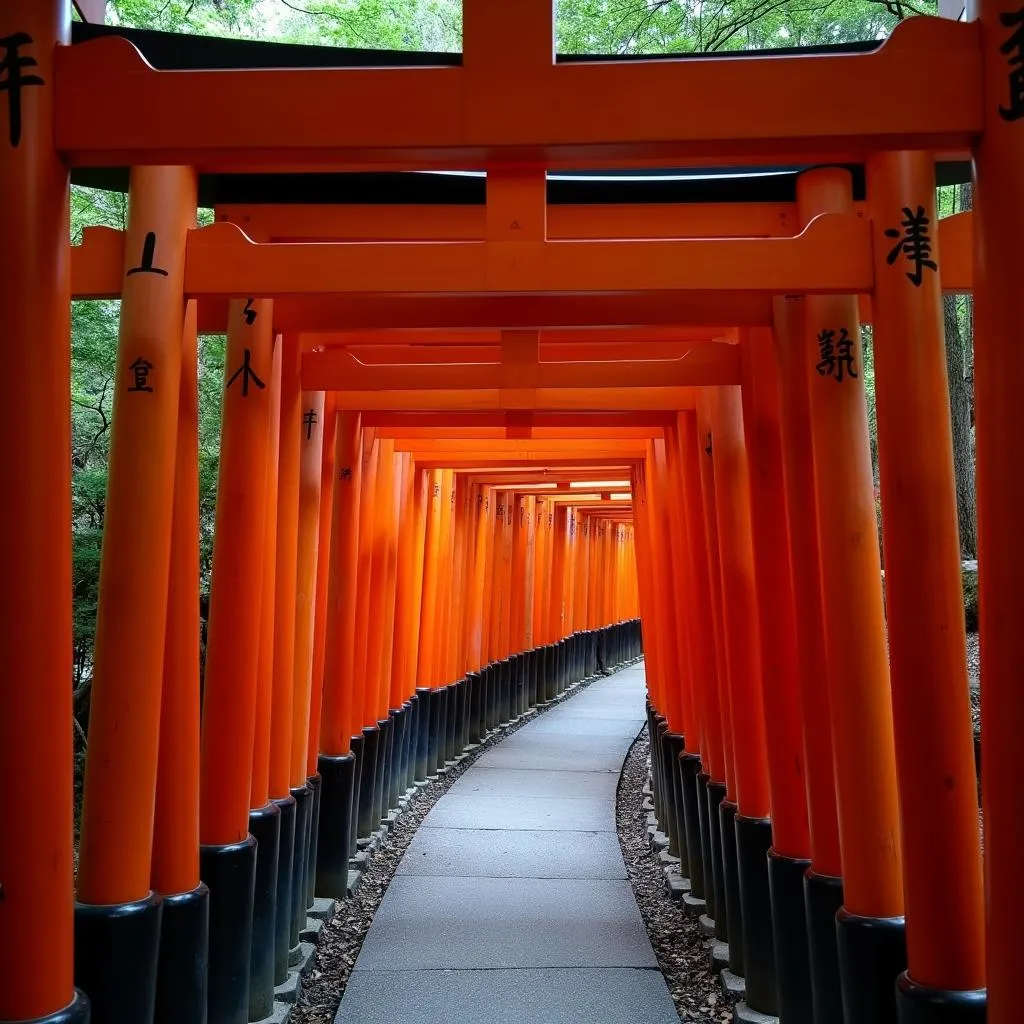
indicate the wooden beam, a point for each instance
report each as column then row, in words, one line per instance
column 737, row 109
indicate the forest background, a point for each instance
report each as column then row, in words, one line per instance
column 582, row 26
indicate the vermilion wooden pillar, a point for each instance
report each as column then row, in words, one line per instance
column 924, row 603
column 823, row 887
column 181, row 989
column 871, row 927
column 998, row 362
column 232, row 660
column 35, row 546
column 124, row 720
column 789, row 856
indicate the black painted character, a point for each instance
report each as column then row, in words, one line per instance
column 914, row 243
column 247, row 373
column 309, row 420
column 836, row 355
column 1013, row 50
column 13, row 79
column 140, row 372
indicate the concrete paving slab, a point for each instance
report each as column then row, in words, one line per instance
column 611, row 727
column 570, row 753
column 431, row 923
column 580, row 996
column 501, row 783
column 458, row 853
column 560, row 814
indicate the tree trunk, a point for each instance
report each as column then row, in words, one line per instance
column 957, row 346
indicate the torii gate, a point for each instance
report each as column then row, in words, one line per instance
column 510, row 108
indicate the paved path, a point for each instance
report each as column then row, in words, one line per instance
column 511, row 904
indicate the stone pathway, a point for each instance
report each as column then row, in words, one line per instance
column 512, row 903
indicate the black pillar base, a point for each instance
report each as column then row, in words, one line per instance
column 655, row 728
column 265, row 828
column 296, row 906
column 385, row 749
column 412, row 724
column 182, row 972
column 117, row 951
column 408, row 712
column 918, row 1004
column 461, row 715
column 704, row 820
column 716, row 797
column 314, row 782
column 230, row 872
column 753, row 841
column 282, row 910
column 367, row 778
column 434, row 709
column 689, row 769
column 789, row 929
column 823, row 897
column 420, row 766
column 392, row 761
column 333, row 839
column 451, row 720
column 677, row 837
column 519, row 702
column 76, row 1012
column 475, row 692
column 504, row 692
column 731, row 879
column 355, row 744
column 872, row 955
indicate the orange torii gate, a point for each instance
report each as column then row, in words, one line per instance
column 512, row 109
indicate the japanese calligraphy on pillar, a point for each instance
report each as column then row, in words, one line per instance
column 309, row 421
column 914, row 244
column 835, row 346
column 247, row 374
column 13, row 79
column 1013, row 49
column 140, row 375
column 147, row 264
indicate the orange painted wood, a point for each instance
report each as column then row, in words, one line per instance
column 259, row 789
column 924, row 599
column 175, row 865
column 858, row 674
column 36, row 741
column 1000, row 480
column 419, row 117
column 323, row 569
column 124, row 717
column 776, row 605
column 286, row 554
column 339, row 720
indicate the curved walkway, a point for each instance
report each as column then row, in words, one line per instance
column 512, row 903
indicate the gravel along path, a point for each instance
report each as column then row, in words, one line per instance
column 681, row 949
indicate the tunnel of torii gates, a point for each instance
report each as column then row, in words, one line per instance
column 468, row 448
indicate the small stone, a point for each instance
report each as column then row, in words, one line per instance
column 288, row 990
column 323, row 908
column 312, row 929
column 693, row 905
column 354, row 878
column 734, row 986
column 719, row 955
column 743, row 1014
